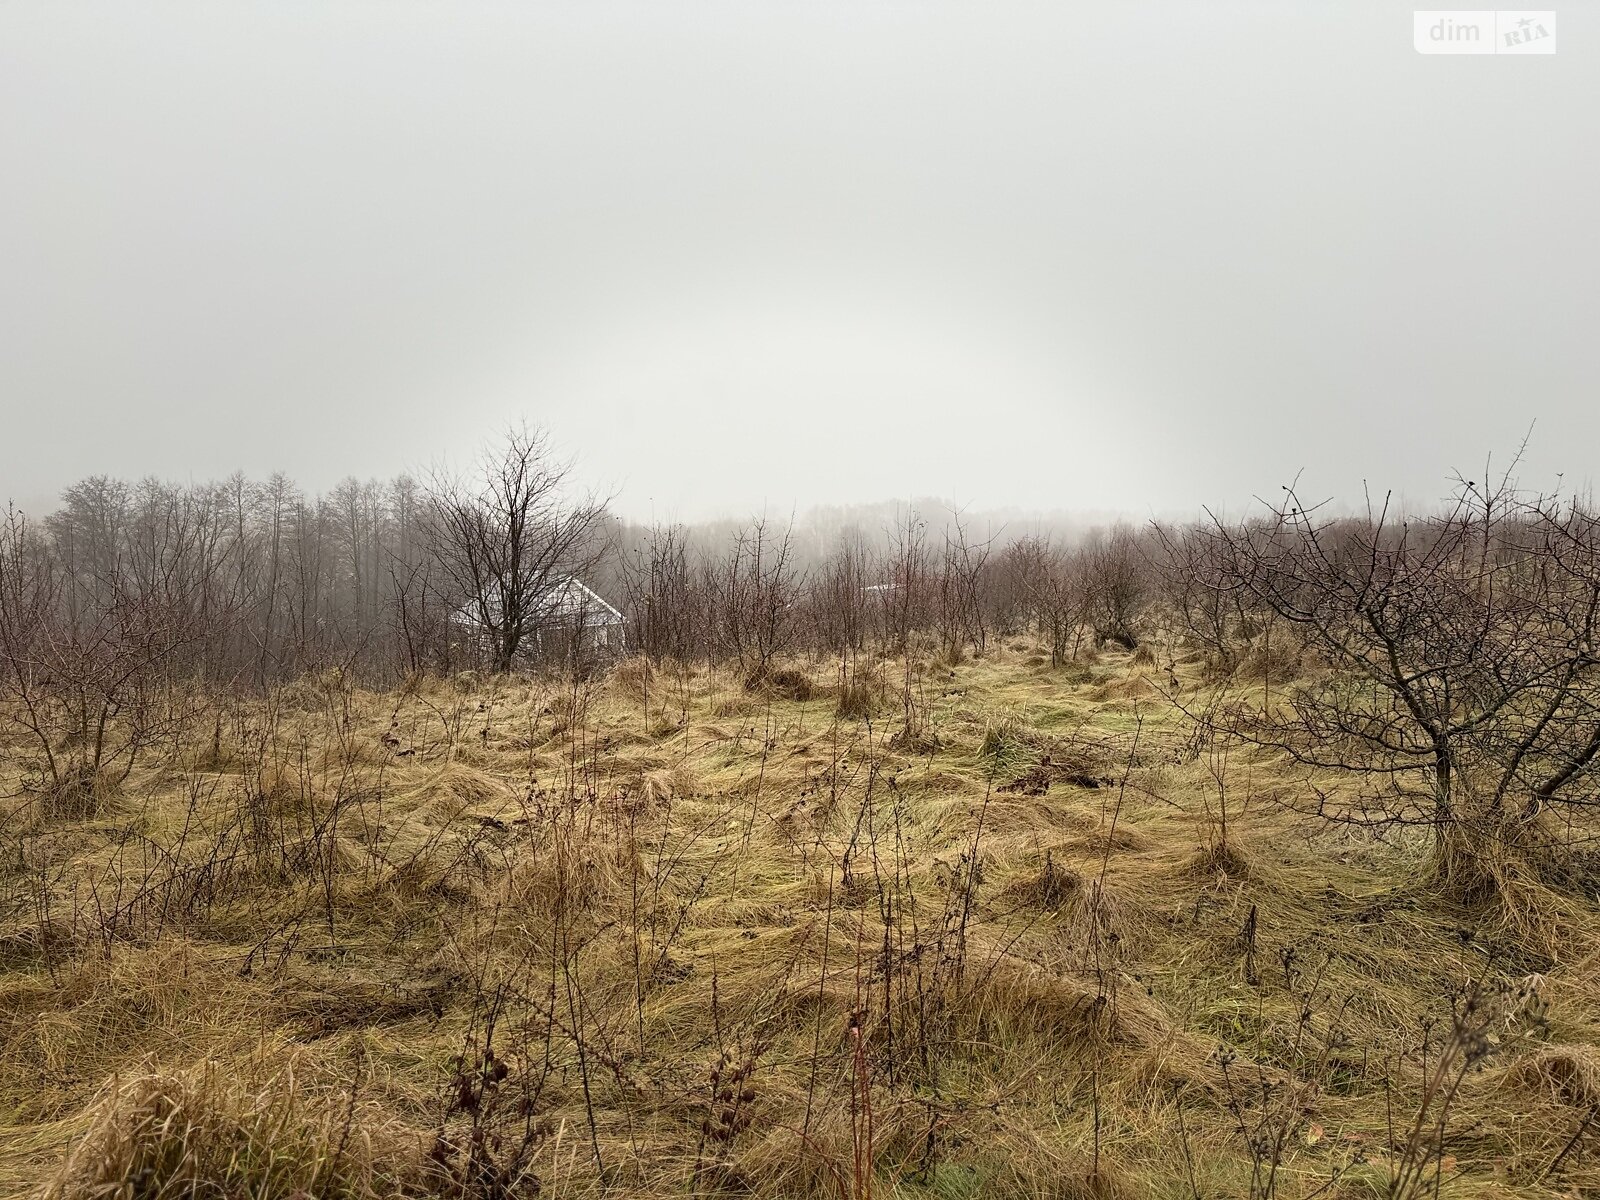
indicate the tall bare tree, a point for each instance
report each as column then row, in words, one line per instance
column 510, row 536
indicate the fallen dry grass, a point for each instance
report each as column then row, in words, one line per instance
column 655, row 934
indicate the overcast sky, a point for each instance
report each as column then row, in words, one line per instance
column 1122, row 256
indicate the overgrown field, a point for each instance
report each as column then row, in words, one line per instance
column 984, row 929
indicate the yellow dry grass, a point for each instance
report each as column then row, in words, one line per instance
column 656, row 934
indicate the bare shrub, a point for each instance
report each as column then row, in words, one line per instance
column 86, row 668
column 755, row 589
column 1115, row 585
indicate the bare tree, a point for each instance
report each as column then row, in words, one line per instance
column 1115, row 587
column 510, row 537
column 960, row 592
column 87, row 679
column 1051, row 593
column 757, row 590
column 840, row 601
column 664, row 609
column 1464, row 647
column 905, row 596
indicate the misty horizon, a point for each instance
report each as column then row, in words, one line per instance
column 740, row 259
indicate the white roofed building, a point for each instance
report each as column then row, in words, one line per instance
column 568, row 616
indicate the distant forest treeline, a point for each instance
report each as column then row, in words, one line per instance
column 258, row 581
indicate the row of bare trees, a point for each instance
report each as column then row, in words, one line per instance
column 122, row 607
column 751, row 599
column 1438, row 669
column 113, row 606
column 248, row 584
column 264, row 581
column 1455, row 677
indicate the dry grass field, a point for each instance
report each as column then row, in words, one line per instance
column 657, row 935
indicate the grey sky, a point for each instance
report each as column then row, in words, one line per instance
column 1121, row 256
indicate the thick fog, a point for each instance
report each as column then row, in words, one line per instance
column 1124, row 257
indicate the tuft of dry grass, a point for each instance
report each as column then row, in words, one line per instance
column 1222, row 860
column 1559, row 1074
column 207, row 1131
column 860, row 695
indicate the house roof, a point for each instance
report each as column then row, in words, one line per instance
column 569, row 599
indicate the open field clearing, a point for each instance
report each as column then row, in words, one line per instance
column 719, row 600
column 1002, row 929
